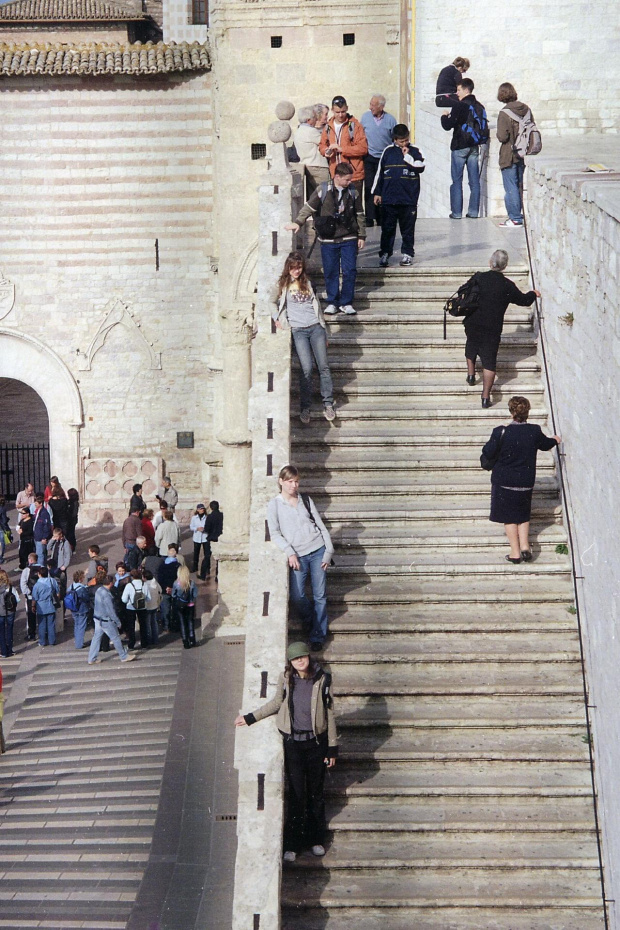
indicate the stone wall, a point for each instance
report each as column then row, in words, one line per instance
column 575, row 225
column 107, row 191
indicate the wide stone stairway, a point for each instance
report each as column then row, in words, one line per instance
column 462, row 798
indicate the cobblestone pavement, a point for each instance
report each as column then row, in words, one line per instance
column 113, row 781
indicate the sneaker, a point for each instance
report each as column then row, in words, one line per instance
column 318, row 850
column 304, row 416
column 289, row 855
column 406, row 260
column 330, row 309
column 349, row 310
column 453, row 217
column 329, row 412
column 511, row 223
column 129, row 657
column 95, row 661
column 384, row 260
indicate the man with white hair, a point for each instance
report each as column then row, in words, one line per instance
column 379, row 127
column 307, row 137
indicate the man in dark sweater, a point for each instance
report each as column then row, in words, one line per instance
column 397, row 189
column 483, row 327
column 469, row 125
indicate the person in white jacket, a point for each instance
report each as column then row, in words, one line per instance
column 166, row 533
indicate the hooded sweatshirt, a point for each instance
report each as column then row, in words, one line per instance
column 507, row 130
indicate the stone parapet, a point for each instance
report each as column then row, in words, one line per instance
column 574, row 220
column 258, row 752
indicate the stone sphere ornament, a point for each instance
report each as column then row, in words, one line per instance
column 279, row 131
column 285, row 110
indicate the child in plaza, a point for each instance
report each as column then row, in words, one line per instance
column 397, row 189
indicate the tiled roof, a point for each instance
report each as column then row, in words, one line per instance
column 100, row 58
column 54, row 11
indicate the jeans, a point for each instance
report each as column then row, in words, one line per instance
column 166, row 611
column 305, row 775
column 513, row 182
column 312, row 341
column 459, row 159
column 2, row 545
column 152, row 630
column 206, row 559
column 406, row 217
column 186, row 621
column 80, row 618
column 313, row 620
column 31, row 619
column 47, row 629
column 110, row 628
column 6, row 635
column 370, row 169
column 41, row 551
column 334, row 255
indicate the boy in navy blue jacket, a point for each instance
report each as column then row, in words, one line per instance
column 397, row 188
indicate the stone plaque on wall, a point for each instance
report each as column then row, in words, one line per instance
column 109, row 482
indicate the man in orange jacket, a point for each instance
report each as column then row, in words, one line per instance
column 344, row 141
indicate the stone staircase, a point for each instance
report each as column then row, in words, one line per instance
column 462, row 797
column 80, row 785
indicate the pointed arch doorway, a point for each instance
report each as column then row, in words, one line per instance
column 48, row 401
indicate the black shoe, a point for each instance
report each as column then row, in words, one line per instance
column 471, row 379
column 316, row 647
column 369, row 223
column 514, row 561
column 486, row 403
column 526, row 555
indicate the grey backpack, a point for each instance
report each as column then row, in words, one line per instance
column 529, row 140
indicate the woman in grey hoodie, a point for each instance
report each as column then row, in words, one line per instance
column 296, row 527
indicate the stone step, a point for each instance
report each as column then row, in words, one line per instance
column 400, row 461
column 443, row 394
column 523, row 916
column 360, row 434
column 469, row 675
column 356, row 408
column 494, row 777
column 419, row 886
column 393, row 319
column 410, row 744
column 399, row 711
column 501, row 814
column 463, row 533
column 428, row 512
column 518, row 365
column 396, row 618
column 514, row 588
column 399, row 563
column 513, row 645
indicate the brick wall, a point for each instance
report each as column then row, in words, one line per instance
column 94, row 172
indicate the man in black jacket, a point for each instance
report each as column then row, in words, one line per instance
column 397, row 189
column 468, row 121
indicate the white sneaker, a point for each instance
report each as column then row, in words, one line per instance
column 330, row 309
column 329, row 412
column 349, row 310
column 510, row 223
column 318, row 850
column 290, row 856
column 406, row 260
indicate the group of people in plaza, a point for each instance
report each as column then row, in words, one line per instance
column 151, row 586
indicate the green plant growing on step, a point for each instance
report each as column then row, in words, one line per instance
column 587, row 740
column 572, row 610
column 568, row 319
column 562, row 549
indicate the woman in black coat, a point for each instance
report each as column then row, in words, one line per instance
column 483, row 327
column 514, row 449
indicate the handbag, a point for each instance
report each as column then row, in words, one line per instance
column 489, row 463
column 325, row 226
column 463, row 302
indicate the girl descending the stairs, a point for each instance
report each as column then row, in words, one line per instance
column 298, row 307
column 305, row 709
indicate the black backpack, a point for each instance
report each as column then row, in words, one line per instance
column 33, row 577
column 10, row 601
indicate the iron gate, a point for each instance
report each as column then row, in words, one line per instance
column 21, row 462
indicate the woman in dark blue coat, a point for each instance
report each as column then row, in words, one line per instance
column 514, row 448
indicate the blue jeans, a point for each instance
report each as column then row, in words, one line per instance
column 80, row 618
column 513, row 181
column 334, row 255
column 460, row 158
column 109, row 627
column 41, row 550
column 152, row 630
column 6, row 635
column 313, row 620
column 312, row 341
column 166, row 611
column 47, row 629
column 2, row 545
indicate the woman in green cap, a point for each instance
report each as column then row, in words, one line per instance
column 305, row 718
